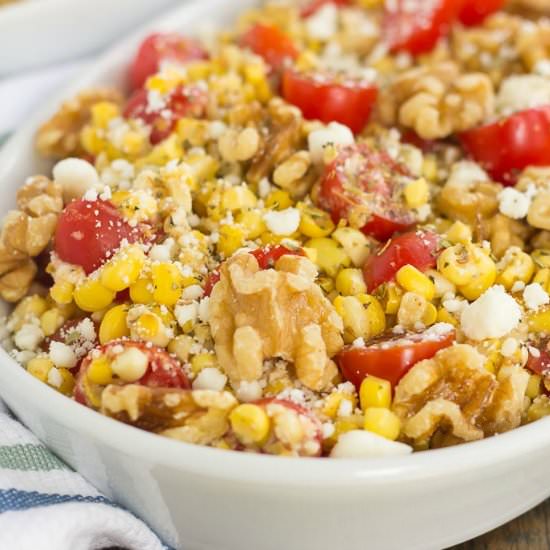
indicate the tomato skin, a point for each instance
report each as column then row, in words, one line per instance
column 541, row 363
column 417, row 28
column 474, row 12
column 506, row 147
column 271, row 43
column 328, row 101
column 183, row 101
column 390, row 363
column 417, row 248
column 88, row 231
column 158, row 47
column 315, row 5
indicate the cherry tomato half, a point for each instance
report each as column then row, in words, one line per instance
column 540, row 363
column 362, row 179
column 416, row 25
column 322, row 97
column 88, row 231
column 312, row 6
column 159, row 47
column 271, row 43
column 506, row 147
column 474, row 12
column 417, row 248
column 183, row 101
column 163, row 370
column 390, row 357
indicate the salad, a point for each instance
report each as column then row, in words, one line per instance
column 324, row 231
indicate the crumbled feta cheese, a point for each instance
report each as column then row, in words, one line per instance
column 186, row 313
column 455, row 305
column 509, row 347
column 327, row 429
column 364, row 444
column 76, row 177
column 28, row 337
column 466, row 172
column 358, row 343
column 160, row 253
column 62, row 355
column 264, row 188
column 90, row 195
column 334, row 133
column 535, row 296
column 513, row 203
column 192, row 292
column 493, row 315
column 542, row 67
column 210, row 378
column 216, row 129
column 54, row 378
column 518, row 286
column 249, row 391
column 283, row 222
column 520, row 92
column 323, row 23
column 345, row 408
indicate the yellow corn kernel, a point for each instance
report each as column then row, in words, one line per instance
column 429, row 168
column 252, row 223
column 238, row 198
column 541, row 257
column 350, row 282
column 484, row 278
column 539, row 408
column 383, row 422
column 180, row 346
column 413, row 280
column 150, row 327
column 354, row 316
column 91, row 295
column 430, row 315
column 231, row 239
column 417, row 193
column 30, row 306
column 139, row 205
column 331, row 257
column 51, row 321
column 62, row 292
column 250, row 424
column 315, row 222
column 123, row 270
column 167, row 283
column 539, row 321
column 203, row 361
column 103, row 112
column 533, row 386
column 130, row 365
column 459, row 233
column 443, row 316
column 376, row 318
column 113, row 325
column 515, row 266
column 375, row 392
column 543, row 278
column 392, row 298
column 326, row 283
column 100, row 372
column 455, row 265
column 356, row 245
column 39, row 367
column 66, row 382
column 442, row 285
column 278, row 200
column 334, row 401
column 341, row 426
column 141, row 292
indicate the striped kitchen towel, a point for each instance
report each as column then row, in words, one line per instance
column 44, row 505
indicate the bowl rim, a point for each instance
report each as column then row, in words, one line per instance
column 216, row 463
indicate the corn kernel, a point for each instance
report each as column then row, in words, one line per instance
column 252, row 223
column 231, row 239
column 100, row 372
column 413, row 280
column 238, row 198
column 203, row 361
column 315, row 222
column 542, row 277
column 331, row 258
column 430, row 315
column 103, row 112
column 383, row 422
column 417, row 193
column 91, row 296
column 533, row 386
column 250, row 424
column 62, row 292
column 51, row 321
column 334, row 401
column 375, row 314
column 278, row 200
column 30, row 306
column 350, row 282
column 516, row 265
column 123, row 270
column 65, row 383
column 180, row 346
column 113, row 325
column 375, row 392
column 39, row 367
column 130, row 365
column 356, row 245
column 392, row 298
column 167, row 282
column 150, row 328
column 459, row 233
column 539, row 321
column 541, row 257
column 443, row 316
column 429, row 168
column 538, row 409
column 141, row 292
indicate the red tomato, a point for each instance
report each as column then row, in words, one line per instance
column 362, row 178
column 267, row 257
column 271, row 43
column 416, row 25
column 88, row 231
column 183, row 101
column 417, row 248
column 540, row 364
column 163, row 371
column 390, row 357
column 313, row 6
column 474, row 12
column 159, row 47
column 322, row 97
column 506, row 147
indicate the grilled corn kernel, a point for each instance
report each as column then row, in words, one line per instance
column 392, row 298
column 442, row 285
column 141, row 292
column 356, row 245
column 516, row 265
column 383, row 422
column 542, row 277
column 113, row 325
column 250, row 424
column 100, row 372
column 231, row 239
column 150, row 328
column 314, row 222
column 238, row 198
column 539, row 321
column 443, row 316
column 459, row 233
column 252, row 223
column 331, row 258
column 430, row 315
column 415, row 281
column 62, row 292
column 39, row 367
column 31, row 306
column 362, row 319
column 375, row 392
column 64, row 381
column 533, row 386
column 375, row 314
column 51, row 321
column 180, row 346
column 123, row 270
column 429, row 166
column 91, row 295
column 203, row 361
column 333, row 404
column 417, row 193
column 167, row 282
column 350, row 282
column 541, row 257
column 278, row 200
column 130, row 365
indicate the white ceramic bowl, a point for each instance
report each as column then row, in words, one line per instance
column 201, row 498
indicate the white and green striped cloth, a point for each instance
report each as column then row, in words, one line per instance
column 44, row 505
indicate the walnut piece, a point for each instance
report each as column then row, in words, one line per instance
column 438, row 101
column 59, row 136
column 261, row 314
column 453, row 398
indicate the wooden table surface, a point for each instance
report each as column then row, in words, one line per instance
column 529, row 532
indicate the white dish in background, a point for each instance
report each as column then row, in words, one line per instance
column 199, row 498
column 34, row 33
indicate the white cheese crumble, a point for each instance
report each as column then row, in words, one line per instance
column 323, row 23
column 62, row 355
column 509, row 347
column 513, row 203
column 186, row 313
column 54, row 378
column 210, row 378
column 76, row 177
column 466, row 172
column 520, row 92
column 283, row 222
column 248, row 391
column 345, row 408
column 192, row 292
column 28, row 337
column 364, row 444
column 535, row 296
column 493, row 315
column 333, row 134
